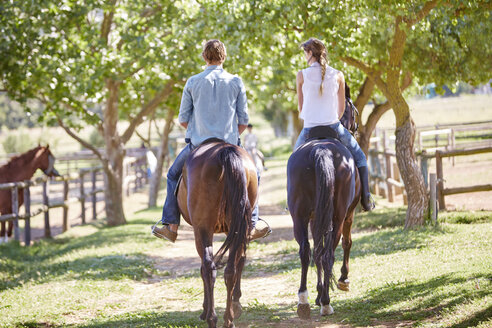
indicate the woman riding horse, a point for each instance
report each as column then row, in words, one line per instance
column 321, row 97
column 323, row 186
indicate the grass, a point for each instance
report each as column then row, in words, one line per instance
column 466, row 108
column 94, row 276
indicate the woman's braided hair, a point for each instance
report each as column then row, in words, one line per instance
column 318, row 50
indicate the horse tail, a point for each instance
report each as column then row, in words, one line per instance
column 235, row 203
column 324, row 206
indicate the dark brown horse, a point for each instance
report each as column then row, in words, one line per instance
column 22, row 168
column 323, row 189
column 217, row 194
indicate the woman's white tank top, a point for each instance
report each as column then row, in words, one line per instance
column 319, row 109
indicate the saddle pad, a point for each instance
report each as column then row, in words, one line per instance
column 321, row 132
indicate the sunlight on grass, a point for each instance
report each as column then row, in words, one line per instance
column 94, row 276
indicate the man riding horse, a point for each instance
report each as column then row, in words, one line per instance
column 213, row 105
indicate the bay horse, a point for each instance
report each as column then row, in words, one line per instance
column 22, row 168
column 217, row 193
column 323, row 190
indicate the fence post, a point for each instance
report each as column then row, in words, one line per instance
column 15, row 211
column 424, row 167
column 389, row 175
column 433, row 210
column 440, row 182
column 46, row 208
column 27, row 220
column 94, row 196
column 66, row 225
column 374, row 167
column 436, row 138
column 397, row 177
column 452, row 143
column 82, row 196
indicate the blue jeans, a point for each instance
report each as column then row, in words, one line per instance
column 345, row 138
column 170, row 211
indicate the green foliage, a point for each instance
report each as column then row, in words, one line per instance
column 13, row 115
column 96, row 139
column 17, row 143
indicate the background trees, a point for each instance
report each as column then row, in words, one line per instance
column 97, row 63
column 385, row 45
column 112, row 64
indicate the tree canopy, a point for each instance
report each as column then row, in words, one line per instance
column 98, row 62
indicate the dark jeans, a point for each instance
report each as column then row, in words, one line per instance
column 170, row 211
column 345, row 138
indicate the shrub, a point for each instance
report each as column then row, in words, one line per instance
column 96, row 139
column 17, row 143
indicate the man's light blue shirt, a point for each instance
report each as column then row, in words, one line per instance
column 213, row 104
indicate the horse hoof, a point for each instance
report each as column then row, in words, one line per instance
column 344, row 285
column 303, row 311
column 326, row 310
column 231, row 325
column 237, row 309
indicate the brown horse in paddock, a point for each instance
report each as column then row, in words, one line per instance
column 323, row 189
column 217, row 194
column 22, row 168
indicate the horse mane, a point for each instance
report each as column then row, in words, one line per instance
column 19, row 160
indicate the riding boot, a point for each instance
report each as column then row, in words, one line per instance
column 366, row 200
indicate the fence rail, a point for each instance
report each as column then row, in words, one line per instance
column 46, row 204
column 386, row 180
column 134, row 173
column 441, row 191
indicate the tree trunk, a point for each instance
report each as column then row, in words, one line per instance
column 418, row 202
column 113, row 193
column 114, row 159
column 163, row 151
column 297, row 123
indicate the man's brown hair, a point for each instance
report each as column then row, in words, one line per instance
column 214, row 51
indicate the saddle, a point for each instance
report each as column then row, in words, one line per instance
column 322, row 132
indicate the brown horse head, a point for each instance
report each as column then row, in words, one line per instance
column 46, row 161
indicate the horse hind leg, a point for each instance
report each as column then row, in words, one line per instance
column 3, row 233
column 343, row 282
column 232, row 280
column 209, row 274
column 236, row 295
column 10, row 229
column 328, row 259
column 301, row 235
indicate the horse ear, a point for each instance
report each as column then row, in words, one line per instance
column 47, row 146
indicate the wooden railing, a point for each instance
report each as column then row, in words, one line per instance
column 441, row 191
column 46, row 205
column 134, row 173
column 385, row 171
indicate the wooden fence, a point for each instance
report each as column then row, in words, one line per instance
column 384, row 172
column 387, row 182
column 439, row 155
column 134, row 173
